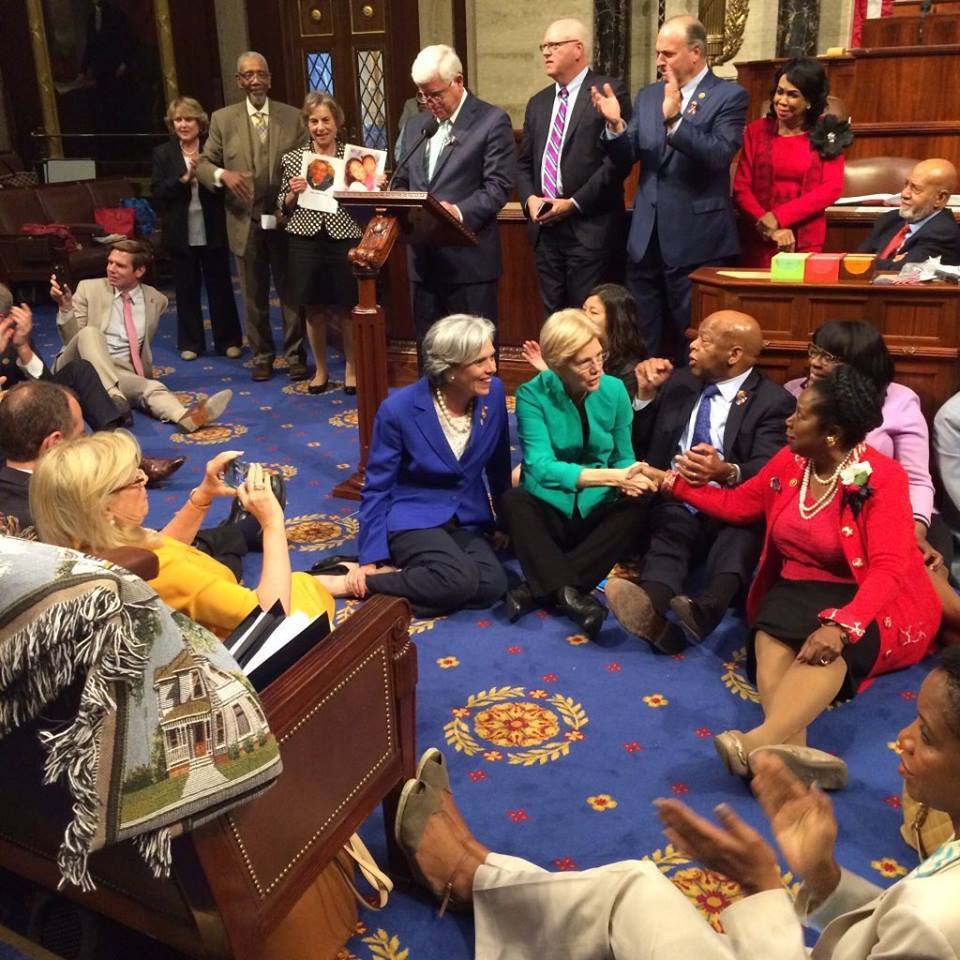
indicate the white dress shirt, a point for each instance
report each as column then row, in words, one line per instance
column 686, row 92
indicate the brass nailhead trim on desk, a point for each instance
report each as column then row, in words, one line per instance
column 264, row 889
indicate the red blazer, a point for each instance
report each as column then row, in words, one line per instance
column 753, row 192
column 894, row 587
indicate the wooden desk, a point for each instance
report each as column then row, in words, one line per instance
column 919, row 323
column 911, row 8
column 905, row 31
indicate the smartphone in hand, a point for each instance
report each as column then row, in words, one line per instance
column 545, row 207
column 62, row 277
column 237, row 472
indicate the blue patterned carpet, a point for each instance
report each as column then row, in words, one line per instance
column 556, row 746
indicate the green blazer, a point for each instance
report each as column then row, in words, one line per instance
column 552, row 436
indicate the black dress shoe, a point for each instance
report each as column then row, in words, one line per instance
column 350, row 391
column 316, row 388
column 261, row 370
column 580, row 607
column 335, row 565
column 694, row 617
column 160, row 468
column 297, row 370
column 124, row 418
column 519, row 601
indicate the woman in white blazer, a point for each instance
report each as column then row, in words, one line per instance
column 630, row 910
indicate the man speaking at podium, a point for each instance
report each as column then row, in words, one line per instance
column 468, row 164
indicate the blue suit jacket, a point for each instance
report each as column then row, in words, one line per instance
column 684, row 188
column 413, row 480
column 475, row 171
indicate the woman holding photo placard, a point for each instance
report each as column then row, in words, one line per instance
column 320, row 278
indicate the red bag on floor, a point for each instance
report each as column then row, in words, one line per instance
column 116, row 220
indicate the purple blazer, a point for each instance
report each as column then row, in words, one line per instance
column 904, row 436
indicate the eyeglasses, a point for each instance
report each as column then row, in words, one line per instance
column 434, row 97
column 249, row 75
column 140, row 481
column 595, row 362
column 554, row 45
column 818, row 353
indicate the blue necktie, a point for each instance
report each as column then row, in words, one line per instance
column 701, row 427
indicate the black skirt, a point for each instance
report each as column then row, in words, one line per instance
column 318, row 273
column 789, row 613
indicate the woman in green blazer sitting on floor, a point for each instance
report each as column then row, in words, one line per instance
column 574, row 512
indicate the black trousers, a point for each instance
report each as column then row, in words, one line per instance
column 441, row 570
column 95, row 403
column 226, row 544
column 559, row 551
column 432, row 301
column 567, row 270
column 677, row 537
column 210, row 267
column 663, row 296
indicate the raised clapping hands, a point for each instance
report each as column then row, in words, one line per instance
column 802, row 821
column 531, row 353
column 608, row 106
column 651, row 375
column 672, row 98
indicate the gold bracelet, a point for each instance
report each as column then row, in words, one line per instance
column 197, row 506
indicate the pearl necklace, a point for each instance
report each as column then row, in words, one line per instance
column 832, row 482
column 461, row 424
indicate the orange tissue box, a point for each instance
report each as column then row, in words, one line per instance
column 822, row 268
column 857, row 266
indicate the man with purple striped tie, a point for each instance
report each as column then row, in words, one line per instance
column 571, row 190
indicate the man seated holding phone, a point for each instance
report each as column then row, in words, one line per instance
column 110, row 323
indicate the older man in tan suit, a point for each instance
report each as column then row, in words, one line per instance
column 110, row 323
column 242, row 155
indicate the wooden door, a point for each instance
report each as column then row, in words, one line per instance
column 360, row 51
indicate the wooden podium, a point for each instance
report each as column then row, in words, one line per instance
column 392, row 215
column 920, row 322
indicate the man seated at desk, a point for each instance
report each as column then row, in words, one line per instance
column 923, row 226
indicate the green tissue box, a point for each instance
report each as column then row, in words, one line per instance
column 788, row 267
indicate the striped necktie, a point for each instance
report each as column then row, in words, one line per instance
column 551, row 157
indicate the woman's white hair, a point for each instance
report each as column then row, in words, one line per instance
column 438, row 60
column 453, row 341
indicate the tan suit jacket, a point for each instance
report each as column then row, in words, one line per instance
column 92, row 303
column 230, row 146
column 918, row 917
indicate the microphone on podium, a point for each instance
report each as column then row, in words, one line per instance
column 430, row 128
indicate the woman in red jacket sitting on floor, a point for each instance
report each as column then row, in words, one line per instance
column 841, row 593
column 791, row 167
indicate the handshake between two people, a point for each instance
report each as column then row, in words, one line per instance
column 699, row 465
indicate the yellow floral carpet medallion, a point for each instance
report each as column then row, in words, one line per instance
column 207, row 436
column 509, row 718
column 346, row 419
column 735, row 677
column 320, row 531
column 416, row 626
column 711, row 893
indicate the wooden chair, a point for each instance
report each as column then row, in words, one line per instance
column 344, row 718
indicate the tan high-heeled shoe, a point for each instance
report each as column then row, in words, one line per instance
column 730, row 749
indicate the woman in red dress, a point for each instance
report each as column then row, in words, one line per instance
column 841, row 593
column 791, row 167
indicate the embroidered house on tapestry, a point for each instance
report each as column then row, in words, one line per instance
column 207, row 716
